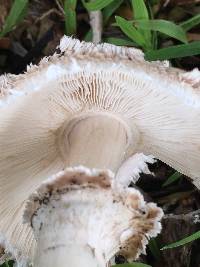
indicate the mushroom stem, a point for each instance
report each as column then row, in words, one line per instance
column 97, row 141
column 79, row 219
column 55, row 249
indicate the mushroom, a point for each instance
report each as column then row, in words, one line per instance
column 100, row 106
column 78, row 219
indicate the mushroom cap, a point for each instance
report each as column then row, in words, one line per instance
column 162, row 102
column 157, row 103
column 90, row 212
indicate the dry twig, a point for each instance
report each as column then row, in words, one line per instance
column 96, row 25
column 191, row 217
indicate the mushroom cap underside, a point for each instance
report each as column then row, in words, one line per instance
column 160, row 102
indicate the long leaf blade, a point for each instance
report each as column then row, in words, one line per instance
column 130, row 31
column 110, row 9
column 174, row 177
column 190, row 23
column 15, row 15
column 183, row 241
column 96, row 5
column 167, row 27
column 70, row 16
column 141, row 12
column 154, row 248
column 176, row 51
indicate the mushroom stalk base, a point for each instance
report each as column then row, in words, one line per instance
column 65, row 230
column 79, row 219
column 55, row 251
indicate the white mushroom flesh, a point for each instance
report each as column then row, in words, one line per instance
column 80, row 220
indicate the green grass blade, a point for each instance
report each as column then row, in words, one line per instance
column 7, row 264
column 130, row 31
column 16, row 14
column 174, row 177
column 119, row 41
column 110, row 9
column 183, row 241
column 154, row 248
column 190, row 23
column 96, row 5
column 167, row 27
column 176, row 51
column 70, row 16
column 134, row 264
column 88, row 36
column 141, row 12
column 22, row 14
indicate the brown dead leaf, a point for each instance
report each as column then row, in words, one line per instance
column 5, row 6
column 5, row 43
column 193, row 37
column 125, row 12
